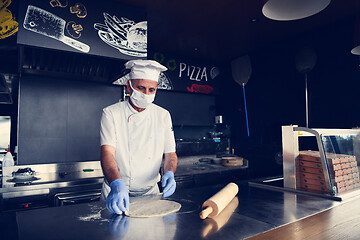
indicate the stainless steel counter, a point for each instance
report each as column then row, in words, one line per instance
column 201, row 170
column 258, row 210
column 49, row 181
column 50, row 173
column 80, row 177
column 203, row 164
column 50, row 176
column 68, row 174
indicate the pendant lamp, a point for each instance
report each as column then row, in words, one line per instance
column 286, row 10
column 356, row 50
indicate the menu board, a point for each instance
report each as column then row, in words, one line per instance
column 103, row 28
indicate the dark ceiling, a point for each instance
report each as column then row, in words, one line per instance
column 226, row 29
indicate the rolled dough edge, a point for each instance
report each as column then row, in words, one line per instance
column 156, row 215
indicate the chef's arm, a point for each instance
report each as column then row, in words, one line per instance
column 170, row 162
column 108, row 163
column 118, row 199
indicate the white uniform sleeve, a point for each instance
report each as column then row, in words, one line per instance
column 169, row 144
column 107, row 129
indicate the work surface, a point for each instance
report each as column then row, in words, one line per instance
column 259, row 210
column 341, row 222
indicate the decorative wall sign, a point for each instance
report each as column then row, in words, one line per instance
column 43, row 22
column 79, row 9
column 163, row 83
column 57, row 3
column 128, row 37
column 189, row 75
column 184, row 75
column 8, row 25
column 106, row 29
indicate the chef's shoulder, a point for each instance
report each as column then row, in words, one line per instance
column 160, row 111
column 113, row 108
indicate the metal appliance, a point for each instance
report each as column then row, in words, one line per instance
column 221, row 136
column 63, row 199
column 48, row 185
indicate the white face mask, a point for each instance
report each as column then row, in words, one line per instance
column 140, row 99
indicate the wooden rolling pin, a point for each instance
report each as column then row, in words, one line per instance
column 212, row 225
column 214, row 205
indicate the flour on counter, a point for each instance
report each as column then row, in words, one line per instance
column 94, row 215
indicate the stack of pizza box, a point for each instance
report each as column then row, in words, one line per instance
column 310, row 176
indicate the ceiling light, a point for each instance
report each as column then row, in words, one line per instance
column 286, row 10
column 356, row 49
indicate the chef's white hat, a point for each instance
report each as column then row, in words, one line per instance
column 145, row 69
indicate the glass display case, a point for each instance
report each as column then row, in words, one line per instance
column 330, row 167
column 318, row 162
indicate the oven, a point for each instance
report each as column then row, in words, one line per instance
column 70, row 198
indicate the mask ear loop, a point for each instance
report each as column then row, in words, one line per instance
column 131, row 85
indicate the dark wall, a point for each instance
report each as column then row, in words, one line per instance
column 188, row 109
column 59, row 120
column 276, row 93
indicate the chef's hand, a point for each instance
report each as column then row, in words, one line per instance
column 118, row 198
column 168, row 181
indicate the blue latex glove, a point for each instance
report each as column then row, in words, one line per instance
column 168, row 181
column 118, row 198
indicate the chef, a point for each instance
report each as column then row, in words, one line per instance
column 135, row 135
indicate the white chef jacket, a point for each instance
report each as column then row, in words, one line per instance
column 140, row 139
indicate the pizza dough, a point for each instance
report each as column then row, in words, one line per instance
column 152, row 208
